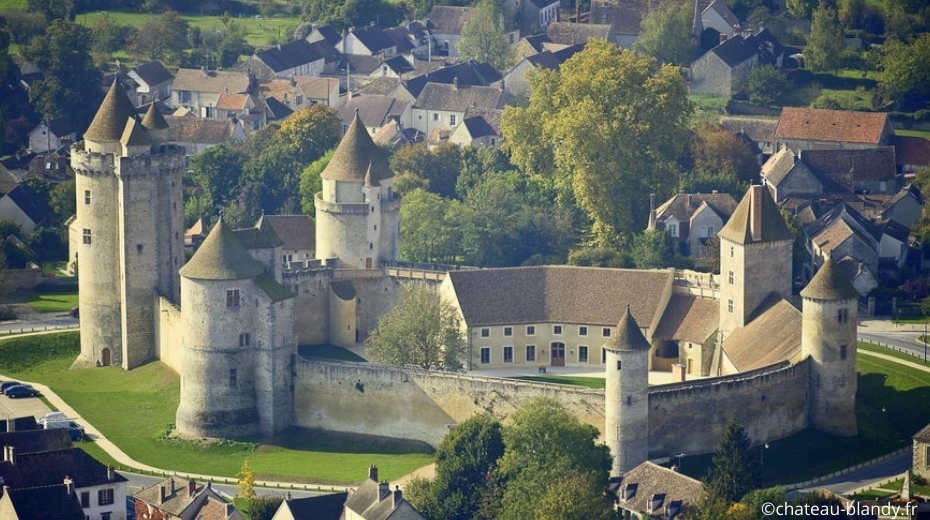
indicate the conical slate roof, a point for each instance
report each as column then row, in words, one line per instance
column 830, row 283
column 739, row 228
column 153, row 119
column 628, row 336
column 222, row 257
column 355, row 156
column 111, row 117
column 134, row 134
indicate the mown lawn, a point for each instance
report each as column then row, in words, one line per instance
column 136, row 411
column 52, row 302
column 587, row 382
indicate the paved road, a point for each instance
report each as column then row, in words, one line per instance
column 865, row 477
column 906, row 340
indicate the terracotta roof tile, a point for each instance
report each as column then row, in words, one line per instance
column 754, row 346
column 688, row 318
column 831, row 125
column 232, row 101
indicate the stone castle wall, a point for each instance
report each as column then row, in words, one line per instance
column 421, row 405
column 168, row 331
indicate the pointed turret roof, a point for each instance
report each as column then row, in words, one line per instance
column 757, row 214
column 222, row 257
column 111, row 117
column 262, row 236
column 830, row 283
column 628, row 336
column 357, row 157
column 153, row 119
column 369, row 181
column 134, row 134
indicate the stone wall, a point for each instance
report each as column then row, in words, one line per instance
column 168, row 329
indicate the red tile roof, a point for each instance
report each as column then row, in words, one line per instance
column 831, row 125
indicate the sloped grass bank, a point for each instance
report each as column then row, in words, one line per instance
column 136, row 411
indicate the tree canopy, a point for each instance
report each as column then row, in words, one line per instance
column 667, row 34
column 825, row 44
column 735, row 468
column 608, row 127
column 903, row 70
column 484, row 38
column 422, row 329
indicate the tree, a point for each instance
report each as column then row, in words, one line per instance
column 70, row 86
column 218, row 170
column 311, row 183
column 246, row 482
column 574, row 495
column 422, row 329
column 720, row 160
column 107, row 35
column 163, row 39
column 667, row 34
column 543, row 443
column 798, row 247
column 764, row 84
column 825, row 44
column 734, row 469
column 52, row 9
column 800, row 9
column 265, row 507
column 653, row 249
column 484, row 38
column 609, row 126
column 431, row 227
column 903, row 74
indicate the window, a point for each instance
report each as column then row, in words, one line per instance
column 606, row 332
column 104, row 497
column 232, row 297
column 531, row 330
column 451, row 119
column 673, row 230
column 582, row 354
column 139, row 248
column 435, row 117
column 730, row 277
column 843, row 316
column 485, row 333
column 710, row 231
column 530, row 353
column 619, row 364
column 508, row 331
column 842, row 351
column 485, row 355
column 105, row 516
column 508, row 354
column 299, row 100
column 87, row 236
column 244, row 339
column 233, row 377
column 85, row 499
column 557, row 330
column 731, row 251
column 730, row 306
column 629, row 400
column 582, row 331
column 86, row 196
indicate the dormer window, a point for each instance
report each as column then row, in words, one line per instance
column 628, row 491
column 655, row 502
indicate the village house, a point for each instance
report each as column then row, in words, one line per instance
column 376, row 111
column 478, row 128
column 181, row 498
column 722, row 70
column 295, row 58
column 51, row 135
column 719, row 17
column 651, row 491
column 534, row 15
column 817, row 128
column 153, row 82
column 196, row 134
column 441, row 107
column 199, row 90
column 692, row 218
column 22, row 205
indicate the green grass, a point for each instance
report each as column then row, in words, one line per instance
column 912, row 133
column 707, row 108
column 328, row 352
column 587, row 382
column 889, row 352
column 13, row 4
column 107, row 397
column 258, row 31
column 52, row 302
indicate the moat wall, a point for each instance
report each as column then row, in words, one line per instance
column 422, row 405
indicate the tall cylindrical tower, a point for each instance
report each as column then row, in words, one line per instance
column 828, row 338
column 626, row 410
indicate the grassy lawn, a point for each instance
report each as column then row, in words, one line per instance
column 889, row 352
column 149, row 395
column 912, row 133
column 707, row 108
column 259, row 31
column 587, row 382
column 328, row 352
column 52, row 302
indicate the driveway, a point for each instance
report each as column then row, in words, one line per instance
column 22, row 407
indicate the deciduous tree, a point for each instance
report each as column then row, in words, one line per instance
column 163, row 39
column 764, row 84
column 246, row 482
column 422, row 330
column 667, row 34
column 825, row 44
column 484, row 38
column 903, row 69
column 609, row 127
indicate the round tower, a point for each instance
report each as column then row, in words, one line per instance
column 626, row 414
column 828, row 337
column 128, row 228
column 219, row 299
column 358, row 212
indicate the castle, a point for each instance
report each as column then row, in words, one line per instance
column 229, row 320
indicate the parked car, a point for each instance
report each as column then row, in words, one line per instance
column 21, row 391
column 75, row 312
column 6, row 384
column 51, row 417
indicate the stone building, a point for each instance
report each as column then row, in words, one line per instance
column 626, row 411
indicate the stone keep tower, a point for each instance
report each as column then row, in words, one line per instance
column 131, row 225
column 626, row 396
column 828, row 337
column 755, row 258
column 358, row 213
column 238, row 340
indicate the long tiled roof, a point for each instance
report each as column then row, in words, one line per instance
column 51, row 502
column 554, row 294
column 755, row 129
column 355, row 156
column 437, row 96
column 818, row 124
column 574, row 33
column 869, row 164
column 221, row 257
column 738, row 228
column 628, row 335
column 688, row 318
column 46, row 468
column 198, row 130
column 293, row 54
column 214, row 81
column 111, row 117
column 830, row 283
column 650, row 480
column 448, row 19
column 755, row 346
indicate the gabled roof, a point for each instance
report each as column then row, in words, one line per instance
column 323, row 507
column 317, row 88
column 47, row 468
column 869, row 164
column 180, row 502
column 374, row 501
column 683, row 205
column 359, row 63
column 755, row 129
column 232, row 102
column 736, row 50
column 567, row 52
column 754, row 346
column 844, row 126
column 688, row 318
column 379, row 87
column 448, row 19
column 466, row 73
column 398, row 64
column 830, row 283
column 846, row 213
column 29, row 203
column 30, row 441
column 328, row 33
column 778, row 166
column 221, row 257
column 199, row 130
column 259, row 236
column 568, row 33
column 544, row 60
column 212, row 81
column 478, row 126
column 294, row 54
column 373, row 38
column 152, row 73
column 739, row 228
column 721, row 9
column 628, row 335
column 912, row 150
column 374, row 110
column 672, row 490
column 52, row 502
column 295, row 231
column 554, row 294
column 452, row 98
column 402, row 38
column 355, row 156
column 111, row 117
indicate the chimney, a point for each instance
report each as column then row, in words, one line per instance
column 755, row 212
column 171, row 481
column 69, row 485
column 9, row 455
column 161, row 494
column 111, row 474
column 689, row 201
column 397, row 496
column 384, row 489
column 455, row 83
column 191, row 487
column 723, row 38
column 652, row 211
column 373, row 472
column 11, row 425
